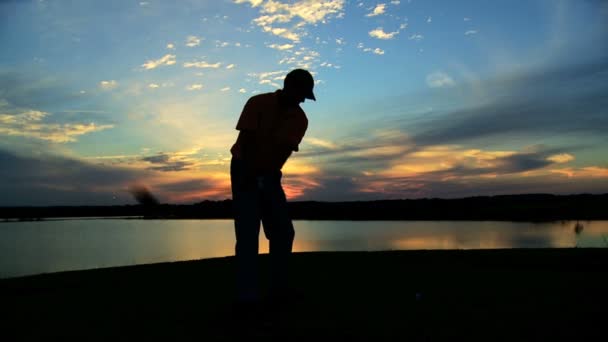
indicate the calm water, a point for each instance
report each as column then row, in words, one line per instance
column 50, row 246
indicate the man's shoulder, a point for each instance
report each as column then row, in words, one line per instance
column 262, row 98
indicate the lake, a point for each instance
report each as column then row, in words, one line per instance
column 73, row 244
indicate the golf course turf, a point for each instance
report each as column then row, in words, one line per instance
column 490, row 295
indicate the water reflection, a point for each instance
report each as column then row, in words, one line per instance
column 39, row 247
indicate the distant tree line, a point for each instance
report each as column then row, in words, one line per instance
column 534, row 207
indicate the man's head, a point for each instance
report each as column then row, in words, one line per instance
column 298, row 85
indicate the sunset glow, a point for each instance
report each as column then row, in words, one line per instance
column 486, row 98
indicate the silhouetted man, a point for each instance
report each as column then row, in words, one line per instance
column 271, row 127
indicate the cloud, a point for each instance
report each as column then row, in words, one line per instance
column 195, row 87
column 230, row 66
column 302, row 58
column 380, row 34
column 193, row 41
column 547, row 101
column 108, row 85
column 271, row 77
column 383, row 167
column 58, row 180
column 254, row 3
column 30, row 124
column 225, row 89
column 165, row 60
column 167, row 163
column 307, row 12
column 439, row 79
column 281, row 47
column 242, row 90
column 379, row 9
column 326, row 144
column 282, row 32
column 470, row 32
column 202, row 65
column 561, row 158
column 186, row 186
column 416, row 37
column 153, row 85
column 221, row 44
column 171, row 46
column 376, row 51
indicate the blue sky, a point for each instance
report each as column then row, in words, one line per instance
column 414, row 98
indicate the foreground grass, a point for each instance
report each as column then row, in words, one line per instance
column 494, row 295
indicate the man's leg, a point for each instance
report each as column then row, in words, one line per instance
column 279, row 230
column 247, row 228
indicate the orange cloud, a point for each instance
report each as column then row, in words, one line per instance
column 584, row 172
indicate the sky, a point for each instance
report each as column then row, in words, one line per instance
column 415, row 98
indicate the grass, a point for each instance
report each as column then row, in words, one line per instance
column 491, row 295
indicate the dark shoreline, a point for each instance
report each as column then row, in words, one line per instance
column 531, row 207
column 510, row 294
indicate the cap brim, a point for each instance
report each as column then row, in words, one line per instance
column 311, row 96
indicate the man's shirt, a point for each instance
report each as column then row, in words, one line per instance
column 278, row 131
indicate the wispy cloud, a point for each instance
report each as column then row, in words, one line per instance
column 167, row 163
column 225, row 89
column 281, row 46
column 377, row 51
column 193, row 41
column 379, row 9
column 561, row 158
column 58, row 180
column 531, row 103
column 202, row 65
column 197, row 86
column 276, row 17
column 107, row 85
column 301, row 58
column 416, row 37
column 270, row 78
column 324, row 143
column 171, row 46
column 380, row 34
column 31, row 124
column 167, row 59
column 470, row 32
column 439, row 79
column 254, row 3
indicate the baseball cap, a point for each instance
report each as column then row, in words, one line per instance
column 301, row 79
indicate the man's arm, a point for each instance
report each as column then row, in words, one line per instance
column 248, row 126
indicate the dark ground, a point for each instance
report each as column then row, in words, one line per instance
column 490, row 295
